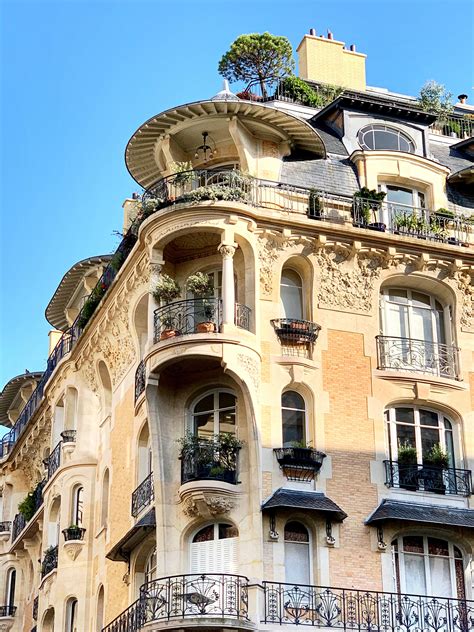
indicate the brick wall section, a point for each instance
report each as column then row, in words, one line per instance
column 350, row 443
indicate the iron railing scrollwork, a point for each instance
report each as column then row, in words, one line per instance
column 19, row 521
column 292, row 331
column 351, row 609
column 140, row 379
column 143, row 495
column 194, row 596
column 201, row 315
column 428, row 478
column 299, row 464
column 130, row 620
column 7, row 611
column 50, row 560
column 409, row 354
column 35, row 608
column 242, row 316
column 53, row 461
column 209, row 460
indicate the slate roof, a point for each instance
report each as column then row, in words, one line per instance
column 331, row 140
column 121, row 551
column 451, row 157
column 311, row 501
column 334, row 174
column 412, row 512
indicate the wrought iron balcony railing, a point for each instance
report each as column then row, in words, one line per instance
column 188, row 317
column 50, row 561
column 299, row 464
column 53, row 461
column 411, row 221
column 5, row 526
column 350, row 609
column 456, row 126
column 130, row 620
column 7, row 611
column 35, row 608
column 194, row 596
column 292, row 331
column 424, row 356
column 74, row 533
column 140, row 379
column 242, row 316
column 209, row 460
column 428, row 478
column 143, row 495
column 69, row 436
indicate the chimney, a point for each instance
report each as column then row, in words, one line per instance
column 326, row 60
column 312, row 31
column 462, row 99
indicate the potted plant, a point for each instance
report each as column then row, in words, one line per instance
column 315, row 204
column 367, row 204
column 27, row 507
column 407, row 466
column 73, row 532
column 435, row 461
column 201, row 287
column 166, row 291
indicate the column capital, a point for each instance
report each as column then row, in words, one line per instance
column 227, row 250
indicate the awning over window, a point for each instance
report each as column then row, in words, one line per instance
column 411, row 512
column 310, row 501
column 121, row 551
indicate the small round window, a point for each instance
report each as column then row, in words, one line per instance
column 384, row 137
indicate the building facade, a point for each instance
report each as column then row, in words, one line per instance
column 292, row 445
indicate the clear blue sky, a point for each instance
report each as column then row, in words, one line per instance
column 80, row 77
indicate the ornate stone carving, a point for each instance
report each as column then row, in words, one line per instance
column 207, row 505
column 270, row 247
column 227, row 251
column 347, row 277
column 73, row 548
column 251, row 367
column 466, row 288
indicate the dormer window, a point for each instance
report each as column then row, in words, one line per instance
column 385, row 137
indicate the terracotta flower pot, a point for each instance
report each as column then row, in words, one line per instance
column 205, row 328
column 167, row 333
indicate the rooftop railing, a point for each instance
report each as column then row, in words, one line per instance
column 370, row 611
column 423, row 356
column 455, row 126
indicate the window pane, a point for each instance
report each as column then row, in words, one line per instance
column 419, row 299
column 293, row 427
column 386, row 140
column 415, row 574
column 429, row 438
column 204, row 425
column 227, row 531
column 440, row 576
column 397, row 295
column 405, row 436
column 428, row 418
column 404, row 415
column 226, row 400
column 205, row 534
column 227, row 421
column 291, row 295
column 297, row 563
column 413, row 544
column 296, row 532
column 437, row 547
column 291, row 399
column 206, row 403
column 399, row 195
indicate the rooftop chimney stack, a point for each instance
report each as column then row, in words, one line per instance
column 325, row 60
column 462, row 99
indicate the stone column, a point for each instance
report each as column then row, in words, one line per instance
column 228, row 291
column 156, row 265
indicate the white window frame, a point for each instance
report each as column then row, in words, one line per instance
column 8, row 597
column 392, row 430
column 151, row 571
column 381, row 127
column 215, row 392
column 310, row 545
column 305, row 422
column 78, row 505
column 426, row 557
column 71, row 615
column 302, row 287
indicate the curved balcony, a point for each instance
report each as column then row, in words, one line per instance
column 424, row 356
column 299, row 463
column 209, row 460
column 50, row 561
column 428, row 478
column 195, row 316
column 140, row 379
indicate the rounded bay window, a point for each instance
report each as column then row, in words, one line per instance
column 385, row 137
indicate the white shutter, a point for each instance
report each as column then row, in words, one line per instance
column 214, row 556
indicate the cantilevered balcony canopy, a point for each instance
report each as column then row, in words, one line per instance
column 56, row 309
column 307, row 501
column 184, row 125
column 414, row 512
column 11, row 390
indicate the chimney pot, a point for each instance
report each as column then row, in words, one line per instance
column 312, row 31
column 462, row 98
column 330, row 35
column 353, row 48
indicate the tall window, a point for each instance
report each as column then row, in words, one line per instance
column 71, row 615
column 54, row 523
column 297, row 554
column 150, row 567
column 428, row 566
column 100, row 611
column 291, row 295
column 293, row 414
column 385, row 137
column 104, row 511
column 214, row 549
column 408, row 313
column 78, row 506
column 214, row 413
column 11, row 585
column 421, row 429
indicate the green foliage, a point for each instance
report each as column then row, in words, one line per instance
column 200, row 285
column 27, row 506
column 436, row 457
column 91, row 303
column 218, row 453
column 166, row 289
column 257, row 57
column 407, row 454
column 301, row 444
column 215, row 192
column 367, row 202
column 315, row 203
column 435, row 98
column 298, row 90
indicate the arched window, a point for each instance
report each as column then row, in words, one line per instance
column 54, row 523
column 424, row 437
column 214, row 549
column 106, row 389
column 104, row 510
column 58, row 422
column 150, row 567
column 291, row 295
column 293, row 416
column 71, row 409
column 71, row 615
column 48, row 620
column 416, row 327
column 214, row 413
column 77, row 506
column 100, row 610
column 428, row 566
column 297, row 554
column 10, row 588
column 144, row 465
column 385, row 137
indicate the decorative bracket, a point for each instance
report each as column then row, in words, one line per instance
column 330, row 539
column 382, row 546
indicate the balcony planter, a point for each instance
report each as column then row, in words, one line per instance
column 380, row 226
column 407, row 467
column 299, row 463
column 206, row 328
column 73, row 533
column 210, row 460
column 435, row 462
column 295, row 332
